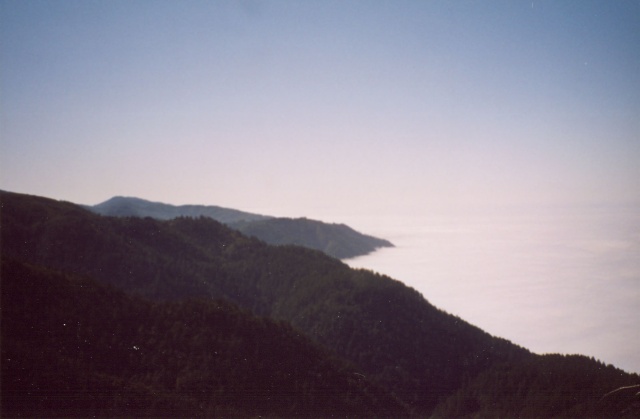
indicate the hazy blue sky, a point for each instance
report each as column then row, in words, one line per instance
column 311, row 106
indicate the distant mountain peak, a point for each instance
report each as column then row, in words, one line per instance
column 124, row 206
column 337, row 240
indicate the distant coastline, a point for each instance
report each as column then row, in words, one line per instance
column 336, row 240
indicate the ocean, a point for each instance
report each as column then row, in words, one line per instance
column 554, row 281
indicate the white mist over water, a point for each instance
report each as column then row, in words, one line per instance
column 562, row 281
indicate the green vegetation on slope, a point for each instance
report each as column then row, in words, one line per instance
column 549, row 386
column 71, row 347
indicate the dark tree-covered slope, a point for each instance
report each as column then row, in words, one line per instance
column 337, row 240
column 549, row 386
column 399, row 341
column 72, row 347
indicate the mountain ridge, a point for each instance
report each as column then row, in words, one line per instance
column 432, row 361
column 337, row 240
column 138, row 207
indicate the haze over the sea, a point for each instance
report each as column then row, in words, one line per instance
column 339, row 110
column 562, row 281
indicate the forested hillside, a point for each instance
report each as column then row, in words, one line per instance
column 547, row 386
column 428, row 359
column 337, row 240
column 72, row 347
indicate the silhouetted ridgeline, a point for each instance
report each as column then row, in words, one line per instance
column 383, row 345
column 337, row 240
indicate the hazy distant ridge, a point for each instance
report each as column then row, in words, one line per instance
column 337, row 240
column 121, row 206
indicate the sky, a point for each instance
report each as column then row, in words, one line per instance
column 315, row 107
